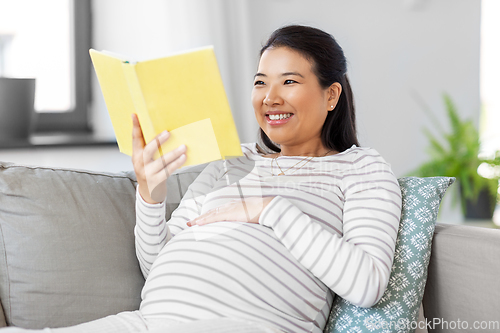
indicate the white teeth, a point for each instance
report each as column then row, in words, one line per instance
column 279, row 116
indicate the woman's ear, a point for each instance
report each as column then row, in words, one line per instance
column 334, row 92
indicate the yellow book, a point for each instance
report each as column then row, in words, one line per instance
column 182, row 94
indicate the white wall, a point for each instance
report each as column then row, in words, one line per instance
column 397, row 49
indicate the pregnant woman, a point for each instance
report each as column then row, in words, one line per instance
column 264, row 242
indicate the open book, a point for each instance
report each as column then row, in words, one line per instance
column 182, row 93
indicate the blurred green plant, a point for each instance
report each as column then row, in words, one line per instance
column 456, row 154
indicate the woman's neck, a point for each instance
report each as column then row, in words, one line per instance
column 317, row 151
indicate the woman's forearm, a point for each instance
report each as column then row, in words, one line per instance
column 151, row 232
column 355, row 269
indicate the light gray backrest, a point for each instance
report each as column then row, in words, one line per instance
column 464, row 279
column 66, row 245
column 75, row 226
column 177, row 185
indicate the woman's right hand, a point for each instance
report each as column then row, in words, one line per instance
column 152, row 174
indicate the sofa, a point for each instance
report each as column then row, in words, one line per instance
column 67, row 254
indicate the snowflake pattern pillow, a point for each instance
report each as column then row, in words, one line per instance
column 397, row 310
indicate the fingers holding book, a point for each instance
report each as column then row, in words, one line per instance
column 152, row 174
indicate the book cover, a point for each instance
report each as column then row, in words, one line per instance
column 182, row 93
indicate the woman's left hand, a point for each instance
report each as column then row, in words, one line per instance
column 246, row 210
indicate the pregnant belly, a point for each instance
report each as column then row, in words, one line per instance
column 230, row 269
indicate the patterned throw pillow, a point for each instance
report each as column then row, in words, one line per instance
column 397, row 310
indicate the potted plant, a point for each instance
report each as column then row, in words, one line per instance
column 457, row 155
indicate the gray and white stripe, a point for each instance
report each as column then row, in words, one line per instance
column 331, row 228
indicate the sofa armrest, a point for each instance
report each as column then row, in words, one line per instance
column 463, row 280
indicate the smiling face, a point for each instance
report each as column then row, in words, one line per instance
column 289, row 103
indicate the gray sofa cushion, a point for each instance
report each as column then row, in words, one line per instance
column 66, row 245
column 67, row 251
column 178, row 184
column 463, row 282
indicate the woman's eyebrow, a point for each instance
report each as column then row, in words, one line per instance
column 292, row 73
column 284, row 74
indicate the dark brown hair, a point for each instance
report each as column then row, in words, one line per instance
column 330, row 66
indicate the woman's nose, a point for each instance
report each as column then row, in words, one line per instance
column 273, row 98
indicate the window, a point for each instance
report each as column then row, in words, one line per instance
column 49, row 40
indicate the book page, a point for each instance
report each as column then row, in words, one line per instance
column 191, row 135
column 186, row 88
column 118, row 99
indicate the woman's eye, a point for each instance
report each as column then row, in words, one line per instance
column 290, row 81
column 258, row 83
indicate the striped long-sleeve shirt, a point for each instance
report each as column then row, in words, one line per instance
column 330, row 229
